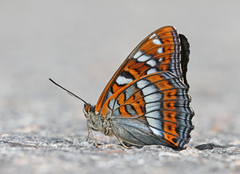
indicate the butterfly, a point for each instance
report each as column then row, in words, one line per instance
column 147, row 102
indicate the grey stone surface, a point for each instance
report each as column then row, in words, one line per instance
column 80, row 44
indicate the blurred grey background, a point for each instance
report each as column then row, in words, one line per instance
column 80, row 44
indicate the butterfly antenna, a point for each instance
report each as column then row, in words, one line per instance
column 69, row 92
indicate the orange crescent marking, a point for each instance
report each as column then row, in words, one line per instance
column 170, row 95
column 170, row 116
column 169, row 49
column 169, row 105
column 169, row 138
column 163, row 85
column 170, row 128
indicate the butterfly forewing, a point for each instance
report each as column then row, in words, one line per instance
column 160, row 51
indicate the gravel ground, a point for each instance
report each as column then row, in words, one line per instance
column 80, row 44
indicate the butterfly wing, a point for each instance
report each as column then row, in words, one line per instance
column 159, row 51
column 153, row 109
column 184, row 57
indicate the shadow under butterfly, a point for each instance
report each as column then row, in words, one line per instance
column 146, row 102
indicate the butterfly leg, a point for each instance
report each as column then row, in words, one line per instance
column 90, row 131
column 95, row 138
column 121, row 141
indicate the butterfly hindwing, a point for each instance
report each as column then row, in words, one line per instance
column 159, row 51
column 153, row 109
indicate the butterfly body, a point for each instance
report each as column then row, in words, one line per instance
column 96, row 121
column 147, row 102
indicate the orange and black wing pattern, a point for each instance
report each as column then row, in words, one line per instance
column 147, row 99
column 153, row 109
column 159, row 51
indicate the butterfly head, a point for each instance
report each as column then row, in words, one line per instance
column 92, row 117
column 88, row 110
